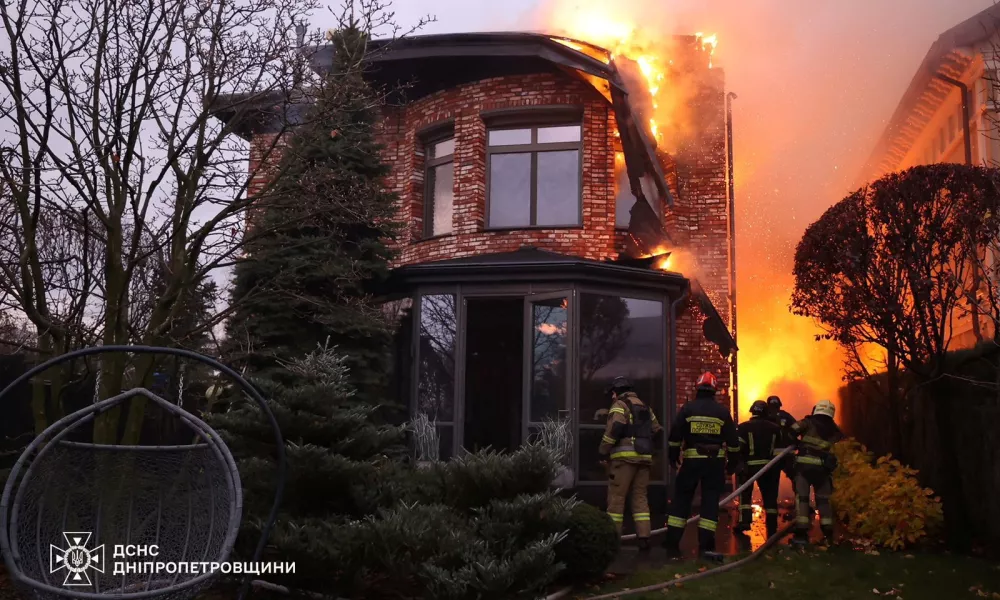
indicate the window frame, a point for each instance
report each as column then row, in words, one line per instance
column 533, row 120
column 430, row 137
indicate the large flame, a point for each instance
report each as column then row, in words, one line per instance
column 599, row 24
column 779, row 354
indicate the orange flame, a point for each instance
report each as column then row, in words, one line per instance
column 708, row 44
column 590, row 26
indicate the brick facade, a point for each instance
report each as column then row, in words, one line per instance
column 697, row 176
column 463, row 105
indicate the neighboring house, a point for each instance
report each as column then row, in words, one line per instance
column 533, row 202
column 948, row 114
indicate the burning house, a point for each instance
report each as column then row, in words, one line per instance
column 553, row 240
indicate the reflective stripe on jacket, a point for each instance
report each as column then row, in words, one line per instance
column 619, row 417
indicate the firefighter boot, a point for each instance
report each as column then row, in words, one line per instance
column 643, row 544
column 771, row 519
column 801, row 538
column 827, row 535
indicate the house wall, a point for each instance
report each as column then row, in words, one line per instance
column 697, row 175
column 942, row 141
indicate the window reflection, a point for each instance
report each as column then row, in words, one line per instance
column 548, row 357
column 618, row 337
column 436, row 386
column 399, row 314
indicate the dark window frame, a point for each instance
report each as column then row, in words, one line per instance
column 430, row 137
column 533, row 120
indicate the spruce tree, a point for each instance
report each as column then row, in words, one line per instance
column 342, row 467
column 323, row 236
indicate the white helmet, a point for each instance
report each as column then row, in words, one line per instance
column 825, row 407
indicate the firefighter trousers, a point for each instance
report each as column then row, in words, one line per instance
column 820, row 481
column 624, row 477
column 768, row 485
column 710, row 474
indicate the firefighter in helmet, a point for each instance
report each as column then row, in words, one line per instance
column 703, row 433
column 758, row 438
column 784, row 421
column 814, row 466
column 629, row 438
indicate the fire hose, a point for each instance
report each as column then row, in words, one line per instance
column 727, row 567
column 749, row 482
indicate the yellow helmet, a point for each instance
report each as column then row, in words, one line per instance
column 825, row 407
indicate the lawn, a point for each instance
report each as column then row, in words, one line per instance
column 839, row 573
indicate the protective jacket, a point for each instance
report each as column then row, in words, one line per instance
column 759, row 437
column 631, row 432
column 818, row 435
column 814, row 465
column 784, row 421
column 701, row 428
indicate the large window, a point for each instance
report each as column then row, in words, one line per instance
column 436, row 380
column 618, row 337
column 439, row 195
column 534, row 176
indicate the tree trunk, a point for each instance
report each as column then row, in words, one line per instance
column 137, row 405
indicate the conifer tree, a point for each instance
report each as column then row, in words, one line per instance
column 324, row 237
column 342, row 467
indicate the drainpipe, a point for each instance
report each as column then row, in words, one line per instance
column 967, row 136
column 966, row 116
column 732, row 252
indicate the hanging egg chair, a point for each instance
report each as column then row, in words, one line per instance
column 69, row 508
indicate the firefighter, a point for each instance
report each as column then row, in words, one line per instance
column 758, row 438
column 784, row 421
column 703, row 433
column 814, row 466
column 629, row 438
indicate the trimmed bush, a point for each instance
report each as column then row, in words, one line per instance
column 590, row 545
column 880, row 501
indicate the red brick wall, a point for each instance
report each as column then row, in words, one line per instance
column 596, row 239
column 699, row 221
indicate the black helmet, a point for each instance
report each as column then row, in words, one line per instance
column 774, row 401
column 618, row 385
column 758, row 408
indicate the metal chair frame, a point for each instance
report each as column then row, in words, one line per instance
column 54, row 435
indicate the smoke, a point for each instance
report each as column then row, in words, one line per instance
column 816, row 84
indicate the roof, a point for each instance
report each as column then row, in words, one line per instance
column 529, row 263
column 951, row 55
column 535, row 264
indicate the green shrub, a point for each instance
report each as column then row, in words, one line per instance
column 590, row 545
column 880, row 500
